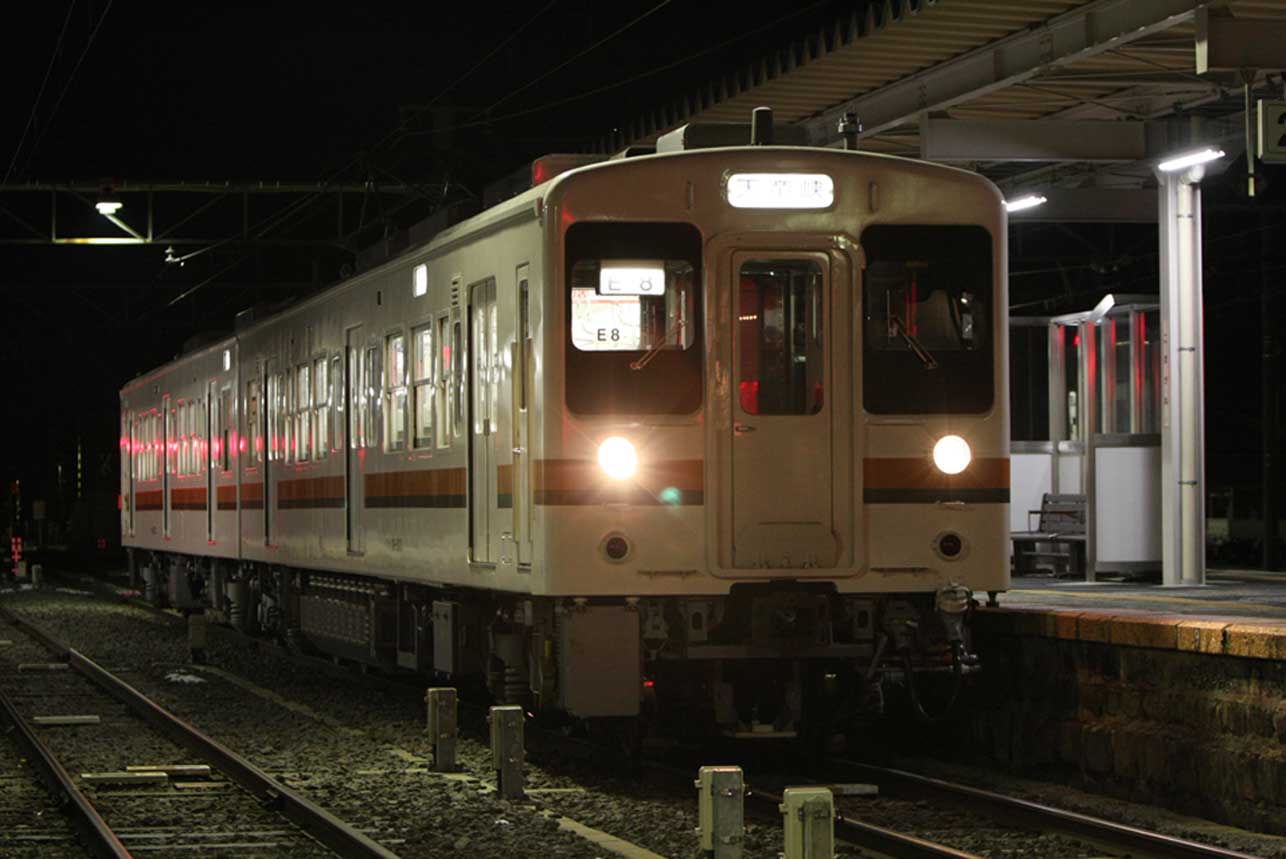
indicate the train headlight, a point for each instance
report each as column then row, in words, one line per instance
column 617, row 457
column 951, row 454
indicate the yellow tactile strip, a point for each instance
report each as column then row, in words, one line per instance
column 1227, row 636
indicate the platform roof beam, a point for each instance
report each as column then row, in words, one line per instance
column 955, row 140
column 1076, row 35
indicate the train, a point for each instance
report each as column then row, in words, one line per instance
column 714, row 435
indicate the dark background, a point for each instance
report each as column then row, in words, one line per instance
column 413, row 93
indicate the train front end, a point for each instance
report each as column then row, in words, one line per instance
column 775, row 451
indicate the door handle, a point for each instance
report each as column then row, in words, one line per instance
column 740, row 428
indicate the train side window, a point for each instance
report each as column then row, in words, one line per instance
column 457, row 380
column 782, row 367
column 303, row 413
column 395, row 392
column 226, row 436
column 441, row 371
column 254, row 443
column 370, row 398
column 286, row 428
column 422, row 367
column 927, row 343
column 321, row 406
column 336, row 404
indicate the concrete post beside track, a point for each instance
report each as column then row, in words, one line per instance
column 443, row 727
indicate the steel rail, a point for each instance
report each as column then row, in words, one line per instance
column 877, row 838
column 328, row 829
column 98, row 836
column 1137, row 842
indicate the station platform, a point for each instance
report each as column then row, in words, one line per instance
column 1237, row 613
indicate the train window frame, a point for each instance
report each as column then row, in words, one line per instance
column 422, row 387
column 895, row 380
column 395, row 392
column 669, row 382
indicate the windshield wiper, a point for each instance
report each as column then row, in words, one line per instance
column 646, row 357
column 913, row 344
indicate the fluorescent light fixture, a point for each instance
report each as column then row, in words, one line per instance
column 1190, row 159
column 108, row 207
column 1027, row 201
column 780, row 191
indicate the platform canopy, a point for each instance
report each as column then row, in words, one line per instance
column 1027, row 92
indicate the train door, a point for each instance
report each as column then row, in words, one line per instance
column 355, row 406
column 791, row 361
column 521, row 410
column 484, row 514
column 167, row 456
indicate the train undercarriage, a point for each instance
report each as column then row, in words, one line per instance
column 771, row 659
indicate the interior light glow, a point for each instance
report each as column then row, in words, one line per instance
column 1027, row 201
column 617, row 457
column 421, row 285
column 108, row 207
column 780, row 191
column 951, row 454
column 1190, row 159
column 631, row 277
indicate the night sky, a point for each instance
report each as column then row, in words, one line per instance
column 409, row 93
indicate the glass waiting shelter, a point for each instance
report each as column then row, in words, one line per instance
column 1085, row 397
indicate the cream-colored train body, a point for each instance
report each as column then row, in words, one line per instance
column 410, row 468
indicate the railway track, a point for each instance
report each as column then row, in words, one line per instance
column 913, row 817
column 1059, row 829
column 97, row 725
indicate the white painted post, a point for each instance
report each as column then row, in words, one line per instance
column 1183, row 518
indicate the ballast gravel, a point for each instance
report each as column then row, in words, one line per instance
column 359, row 749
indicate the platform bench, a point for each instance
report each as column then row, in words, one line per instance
column 1061, row 523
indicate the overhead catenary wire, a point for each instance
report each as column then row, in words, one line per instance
column 89, row 43
column 40, row 93
column 558, row 68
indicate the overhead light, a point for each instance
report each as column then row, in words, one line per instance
column 1190, row 159
column 108, row 203
column 1027, row 201
column 169, row 254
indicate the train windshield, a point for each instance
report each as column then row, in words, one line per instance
column 927, row 299
column 634, row 333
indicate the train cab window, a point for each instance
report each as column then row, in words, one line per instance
column 782, row 321
column 634, row 318
column 321, row 409
column 395, row 382
column 927, row 319
column 422, row 367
